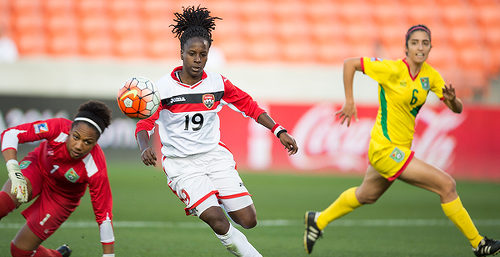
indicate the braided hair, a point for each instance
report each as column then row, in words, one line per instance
column 96, row 113
column 194, row 22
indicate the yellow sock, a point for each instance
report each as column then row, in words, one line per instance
column 456, row 212
column 346, row 203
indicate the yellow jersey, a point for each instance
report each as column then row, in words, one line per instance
column 400, row 96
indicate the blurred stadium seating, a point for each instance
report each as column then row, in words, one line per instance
column 465, row 33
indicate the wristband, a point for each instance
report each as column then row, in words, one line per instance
column 278, row 129
column 279, row 132
column 13, row 161
column 108, row 255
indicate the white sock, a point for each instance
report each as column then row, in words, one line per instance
column 237, row 243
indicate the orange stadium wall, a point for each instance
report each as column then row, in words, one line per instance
column 466, row 145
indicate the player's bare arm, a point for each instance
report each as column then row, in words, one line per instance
column 286, row 139
column 451, row 100
column 348, row 110
column 148, row 155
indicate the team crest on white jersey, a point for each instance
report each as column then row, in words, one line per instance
column 208, row 100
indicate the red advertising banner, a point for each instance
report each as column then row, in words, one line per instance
column 465, row 145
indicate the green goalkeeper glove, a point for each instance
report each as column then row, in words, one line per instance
column 19, row 187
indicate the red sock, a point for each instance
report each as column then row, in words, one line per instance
column 44, row 252
column 16, row 252
column 6, row 204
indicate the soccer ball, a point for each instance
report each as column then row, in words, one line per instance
column 138, row 98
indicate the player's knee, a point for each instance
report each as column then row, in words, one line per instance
column 219, row 225
column 368, row 200
column 216, row 219
column 448, row 187
column 364, row 198
column 249, row 223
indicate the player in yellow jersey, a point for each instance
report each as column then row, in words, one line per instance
column 403, row 86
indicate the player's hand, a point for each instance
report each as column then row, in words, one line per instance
column 449, row 93
column 347, row 112
column 148, row 156
column 289, row 142
column 19, row 187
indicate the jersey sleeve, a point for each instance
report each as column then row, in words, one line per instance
column 30, row 132
column 437, row 84
column 378, row 69
column 148, row 124
column 240, row 100
column 102, row 200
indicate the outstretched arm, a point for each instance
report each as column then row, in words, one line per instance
column 348, row 110
column 286, row 139
column 451, row 100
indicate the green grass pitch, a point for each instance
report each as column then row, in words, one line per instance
column 149, row 220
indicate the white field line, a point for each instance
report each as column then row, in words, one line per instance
column 272, row 223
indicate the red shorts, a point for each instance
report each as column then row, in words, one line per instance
column 46, row 214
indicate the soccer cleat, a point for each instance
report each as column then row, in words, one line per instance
column 487, row 247
column 64, row 250
column 312, row 232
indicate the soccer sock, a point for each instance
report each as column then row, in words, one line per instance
column 6, row 204
column 344, row 204
column 44, row 252
column 16, row 252
column 237, row 243
column 456, row 212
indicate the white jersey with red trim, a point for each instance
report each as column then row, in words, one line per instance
column 187, row 119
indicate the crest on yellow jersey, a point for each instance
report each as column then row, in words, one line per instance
column 425, row 83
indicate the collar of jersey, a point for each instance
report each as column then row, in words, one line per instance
column 408, row 66
column 204, row 76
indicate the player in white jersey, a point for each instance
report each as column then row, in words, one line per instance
column 200, row 169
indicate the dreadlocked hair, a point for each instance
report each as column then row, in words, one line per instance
column 194, row 22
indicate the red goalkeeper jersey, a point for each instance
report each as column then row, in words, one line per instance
column 67, row 177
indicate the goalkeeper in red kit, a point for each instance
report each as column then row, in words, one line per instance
column 55, row 176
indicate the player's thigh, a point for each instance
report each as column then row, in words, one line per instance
column 373, row 186
column 48, row 212
column 196, row 191
column 424, row 175
column 232, row 192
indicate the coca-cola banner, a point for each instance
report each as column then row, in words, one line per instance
column 466, row 145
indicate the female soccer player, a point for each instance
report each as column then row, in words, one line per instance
column 403, row 88
column 58, row 171
column 200, row 169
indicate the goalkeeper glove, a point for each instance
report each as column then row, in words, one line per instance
column 19, row 187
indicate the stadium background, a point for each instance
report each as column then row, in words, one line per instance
column 288, row 56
